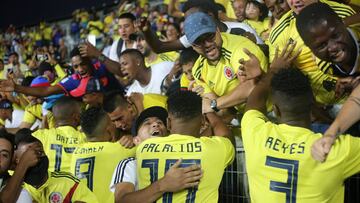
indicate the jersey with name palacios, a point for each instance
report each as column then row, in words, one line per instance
column 221, row 79
column 155, row 156
column 285, row 30
column 95, row 162
column 280, row 166
column 59, row 144
column 61, row 187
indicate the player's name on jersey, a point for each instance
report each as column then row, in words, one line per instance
column 67, row 140
column 88, row 150
column 184, row 147
column 287, row 148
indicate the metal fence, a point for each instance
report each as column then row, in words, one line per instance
column 234, row 185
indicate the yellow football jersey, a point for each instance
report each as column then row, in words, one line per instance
column 94, row 163
column 154, row 100
column 59, row 187
column 285, row 30
column 155, row 156
column 280, row 166
column 32, row 112
column 221, row 79
column 168, row 56
column 59, row 144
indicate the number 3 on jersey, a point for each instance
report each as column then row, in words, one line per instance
column 153, row 165
column 289, row 188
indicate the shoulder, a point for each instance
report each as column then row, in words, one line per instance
column 341, row 9
column 63, row 176
column 280, row 26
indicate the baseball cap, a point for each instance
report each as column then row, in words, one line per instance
column 87, row 85
column 5, row 104
column 39, row 81
column 155, row 111
column 197, row 24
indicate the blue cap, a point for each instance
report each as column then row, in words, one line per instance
column 197, row 24
column 5, row 104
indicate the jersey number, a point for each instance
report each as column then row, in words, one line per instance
column 58, row 150
column 153, row 165
column 289, row 188
column 90, row 161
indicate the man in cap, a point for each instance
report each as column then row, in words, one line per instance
column 218, row 64
column 6, row 110
column 151, row 123
column 91, row 91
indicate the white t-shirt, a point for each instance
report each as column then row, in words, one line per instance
column 124, row 172
column 158, row 72
column 113, row 50
column 230, row 25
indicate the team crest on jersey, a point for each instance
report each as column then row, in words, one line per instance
column 56, row 197
column 228, row 72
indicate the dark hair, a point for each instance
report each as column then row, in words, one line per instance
column 64, row 108
column 14, row 53
column 45, row 66
column 9, row 137
column 114, row 100
column 127, row 16
column 176, row 26
column 292, row 88
column 2, row 61
column 92, row 121
column 27, row 81
column 24, row 136
column 264, row 11
column 133, row 52
column 75, row 52
column 312, row 15
column 207, row 6
column 188, row 55
column 184, row 105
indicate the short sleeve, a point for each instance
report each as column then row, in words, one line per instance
column 124, row 172
column 29, row 117
column 83, row 194
column 184, row 41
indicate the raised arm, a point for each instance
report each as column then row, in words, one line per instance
column 154, row 42
column 87, row 49
column 219, row 127
column 10, row 86
column 258, row 97
column 12, row 190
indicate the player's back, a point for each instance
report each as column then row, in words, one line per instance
column 59, row 144
column 156, row 155
column 281, row 169
column 94, row 163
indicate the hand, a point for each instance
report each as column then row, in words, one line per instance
column 175, row 69
column 345, row 85
column 31, row 156
column 285, row 59
column 321, row 147
column 127, row 141
column 7, row 85
column 249, row 69
column 177, row 179
column 88, row 50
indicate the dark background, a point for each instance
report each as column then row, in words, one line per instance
column 30, row 12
